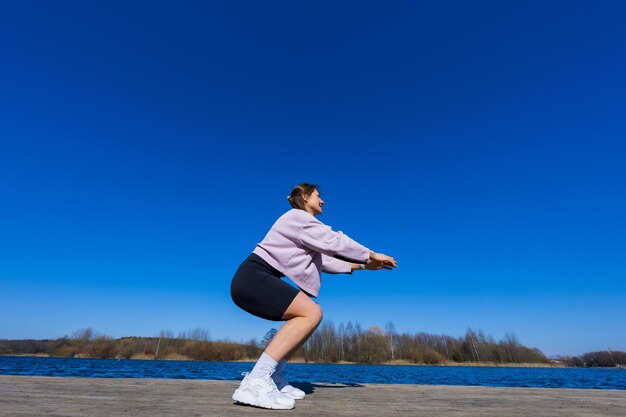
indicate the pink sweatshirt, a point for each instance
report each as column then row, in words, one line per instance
column 302, row 247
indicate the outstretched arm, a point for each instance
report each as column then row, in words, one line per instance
column 321, row 238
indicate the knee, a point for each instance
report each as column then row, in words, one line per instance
column 315, row 314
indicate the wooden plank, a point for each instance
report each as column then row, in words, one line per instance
column 51, row 396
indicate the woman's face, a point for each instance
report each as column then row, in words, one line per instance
column 313, row 203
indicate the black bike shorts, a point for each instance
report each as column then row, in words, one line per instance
column 258, row 289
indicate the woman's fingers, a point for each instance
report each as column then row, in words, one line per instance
column 382, row 261
column 391, row 261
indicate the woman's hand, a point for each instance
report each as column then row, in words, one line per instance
column 380, row 261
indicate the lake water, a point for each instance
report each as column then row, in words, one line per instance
column 596, row 378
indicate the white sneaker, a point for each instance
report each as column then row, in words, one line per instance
column 283, row 386
column 262, row 392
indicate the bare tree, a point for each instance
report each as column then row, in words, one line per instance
column 390, row 331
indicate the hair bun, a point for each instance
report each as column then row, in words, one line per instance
column 298, row 193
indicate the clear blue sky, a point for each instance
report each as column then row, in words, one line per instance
column 146, row 148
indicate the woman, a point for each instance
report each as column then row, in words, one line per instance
column 301, row 247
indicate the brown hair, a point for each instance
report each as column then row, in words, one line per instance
column 296, row 198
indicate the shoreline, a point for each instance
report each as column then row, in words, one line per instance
column 302, row 361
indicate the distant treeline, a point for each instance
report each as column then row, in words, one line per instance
column 194, row 345
column 353, row 344
column 329, row 344
column 606, row 358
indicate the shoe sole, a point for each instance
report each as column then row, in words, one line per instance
column 245, row 397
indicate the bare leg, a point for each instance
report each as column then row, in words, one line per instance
column 295, row 349
column 303, row 316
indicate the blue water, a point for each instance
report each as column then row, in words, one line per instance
column 598, row 378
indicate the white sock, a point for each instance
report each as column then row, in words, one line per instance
column 281, row 366
column 266, row 365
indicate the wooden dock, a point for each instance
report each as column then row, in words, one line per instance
column 51, row 396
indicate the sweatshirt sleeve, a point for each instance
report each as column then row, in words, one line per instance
column 321, row 238
column 335, row 266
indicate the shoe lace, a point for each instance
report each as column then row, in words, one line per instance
column 266, row 380
column 269, row 383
